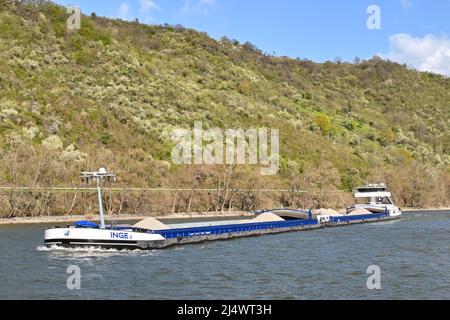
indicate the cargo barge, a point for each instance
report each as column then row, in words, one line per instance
column 153, row 234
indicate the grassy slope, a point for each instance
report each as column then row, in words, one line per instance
column 121, row 87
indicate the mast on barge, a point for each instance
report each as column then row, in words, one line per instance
column 88, row 177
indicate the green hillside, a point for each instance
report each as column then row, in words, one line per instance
column 111, row 94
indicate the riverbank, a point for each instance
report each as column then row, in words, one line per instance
column 425, row 209
column 125, row 217
column 137, row 217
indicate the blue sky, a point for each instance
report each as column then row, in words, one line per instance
column 412, row 31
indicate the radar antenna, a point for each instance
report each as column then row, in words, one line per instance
column 88, row 177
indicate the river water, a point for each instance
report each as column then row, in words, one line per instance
column 413, row 255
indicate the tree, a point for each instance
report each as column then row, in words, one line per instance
column 324, row 123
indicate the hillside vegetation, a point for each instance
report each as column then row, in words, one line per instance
column 111, row 94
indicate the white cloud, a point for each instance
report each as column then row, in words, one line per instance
column 429, row 53
column 148, row 5
column 202, row 7
column 406, row 4
column 124, row 10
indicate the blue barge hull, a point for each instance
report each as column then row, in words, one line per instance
column 223, row 232
column 214, row 230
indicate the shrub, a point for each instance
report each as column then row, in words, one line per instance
column 10, row 26
column 245, row 87
column 53, row 143
column 84, row 57
column 324, row 123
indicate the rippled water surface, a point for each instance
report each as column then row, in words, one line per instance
column 413, row 254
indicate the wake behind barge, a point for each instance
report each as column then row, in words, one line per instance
column 152, row 234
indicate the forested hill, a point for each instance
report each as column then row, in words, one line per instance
column 112, row 92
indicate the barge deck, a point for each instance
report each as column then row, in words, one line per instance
column 226, row 232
